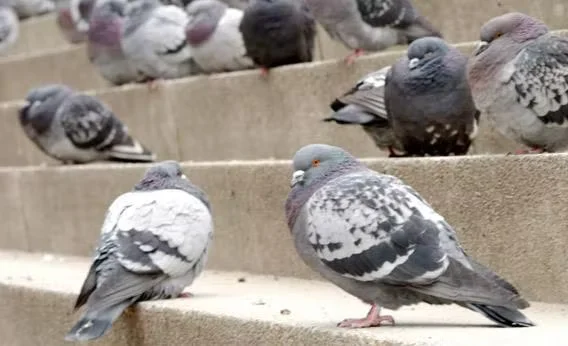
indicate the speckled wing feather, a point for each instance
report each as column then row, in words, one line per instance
column 379, row 13
column 539, row 76
column 394, row 236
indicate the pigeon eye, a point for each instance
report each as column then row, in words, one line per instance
column 315, row 163
column 497, row 35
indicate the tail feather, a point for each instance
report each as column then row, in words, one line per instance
column 93, row 325
column 351, row 114
column 130, row 150
column 504, row 316
column 421, row 28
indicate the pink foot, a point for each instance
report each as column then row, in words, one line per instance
column 528, row 151
column 373, row 319
column 153, row 85
column 264, row 72
column 350, row 59
column 185, row 295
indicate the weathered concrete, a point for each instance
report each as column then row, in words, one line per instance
column 37, row 295
column 37, row 34
column 237, row 115
column 493, row 201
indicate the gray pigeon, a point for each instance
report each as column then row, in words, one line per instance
column 371, row 25
column 154, row 242
column 104, row 43
column 32, row 8
column 9, row 28
column 421, row 106
column 377, row 239
column 68, row 27
column 154, row 40
column 214, row 37
column 77, row 128
column 238, row 4
column 278, row 32
column 519, row 78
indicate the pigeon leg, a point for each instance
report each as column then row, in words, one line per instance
column 185, row 295
column 528, row 151
column 350, row 59
column 153, row 84
column 373, row 319
column 264, row 72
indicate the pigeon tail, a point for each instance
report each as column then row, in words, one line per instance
column 351, row 114
column 421, row 28
column 130, row 150
column 506, row 317
column 94, row 325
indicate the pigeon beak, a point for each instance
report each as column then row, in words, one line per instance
column 483, row 45
column 297, row 178
column 413, row 63
column 183, row 176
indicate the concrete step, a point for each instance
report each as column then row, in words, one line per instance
column 237, row 115
column 458, row 20
column 509, row 211
column 37, row 34
column 38, row 292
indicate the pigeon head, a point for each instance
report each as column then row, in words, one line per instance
column 318, row 163
column 106, row 22
column 510, row 29
column 41, row 105
column 423, row 52
column 204, row 15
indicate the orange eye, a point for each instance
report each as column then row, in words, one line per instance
column 315, row 163
column 497, row 35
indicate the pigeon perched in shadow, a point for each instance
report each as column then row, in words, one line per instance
column 278, row 32
column 154, row 242
column 371, row 25
column 77, row 128
column 154, row 40
column 9, row 28
column 377, row 239
column 214, row 37
column 519, row 78
column 420, row 106
column 104, row 43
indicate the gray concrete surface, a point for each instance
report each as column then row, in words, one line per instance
column 237, row 115
column 38, row 292
column 509, row 211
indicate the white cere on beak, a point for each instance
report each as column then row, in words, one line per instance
column 297, row 177
column 183, row 176
column 82, row 26
column 413, row 63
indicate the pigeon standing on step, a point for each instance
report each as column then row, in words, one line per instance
column 278, row 32
column 153, row 244
column 420, row 106
column 519, row 78
column 31, row 8
column 77, row 128
column 104, row 43
column 154, row 40
column 377, row 239
column 214, row 37
column 371, row 25
column 9, row 28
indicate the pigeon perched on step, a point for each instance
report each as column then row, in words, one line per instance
column 77, row 128
column 278, row 32
column 154, row 40
column 104, row 43
column 31, row 8
column 9, row 28
column 519, row 78
column 377, row 239
column 421, row 106
column 371, row 25
column 154, row 243
column 68, row 27
column 214, row 37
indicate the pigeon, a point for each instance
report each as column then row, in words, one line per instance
column 376, row 238
column 278, row 32
column 68, row 27
column 9, row 28
column 214, row 37
column 154, row 41
column 77, row 128
column 421, row 106
column 518, row 78
column 104, row 43
column 154, row 243
column 371, row 25
column 32, row 8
